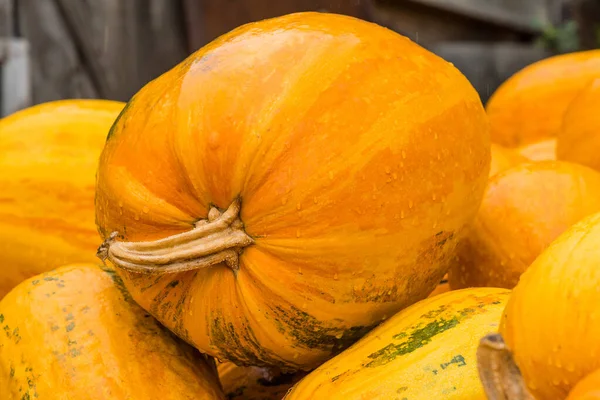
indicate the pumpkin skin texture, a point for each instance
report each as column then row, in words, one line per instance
column 587, row 389
column 74, row 333
column 427, row 351
column 358, row 161
column 579, row 138
column 255, row 383
column 551, row 322
column 504, row 158
column 529, row 106
column 524, row 209
column 48, row 158
column 540, row 151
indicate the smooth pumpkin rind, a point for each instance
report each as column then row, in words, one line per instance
column 587, row 389
column 504, row 158
column 426, row 351
column 74, row 333
column 551, row 322
column 48, row 159
column 524, row 209
column 529, row 106
column 255, row 383
column 355, row 194
column 540, row 151
column 579, row 137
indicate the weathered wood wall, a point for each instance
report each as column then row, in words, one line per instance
column 91, row 48
column 208, row 19
column 426, row 21
column 587, row 15
column 6, row 18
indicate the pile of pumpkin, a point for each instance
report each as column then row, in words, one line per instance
column 275, row 212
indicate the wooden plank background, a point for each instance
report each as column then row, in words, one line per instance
column 512, row 14
column 208, row 19
column 6, row 18
column 107, row 49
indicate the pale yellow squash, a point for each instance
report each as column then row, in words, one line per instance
column 48, row 159
column 427, row 351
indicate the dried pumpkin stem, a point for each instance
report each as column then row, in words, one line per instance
column 219, row 238
column 499, row 374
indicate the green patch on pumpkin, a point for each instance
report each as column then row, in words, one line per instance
column 417, row 339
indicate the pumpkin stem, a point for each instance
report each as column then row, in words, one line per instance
column 499, row 374
column 219, row 238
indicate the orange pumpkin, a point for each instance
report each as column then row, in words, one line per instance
column 544, row 150
column 529, row 106
column 523, row 210
column 548, row 338
column 291, row 185
column 579, row 138
column 48, row 160
column 504, row 158
column 587, row 389
column 255, row 383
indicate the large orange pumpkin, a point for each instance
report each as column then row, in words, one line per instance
column 290, row 185
column 579, row 138
column 530, row 105
column 523, row 210
column 48, row 160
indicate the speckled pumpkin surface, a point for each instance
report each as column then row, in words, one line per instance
column 74, row 333
column 524, row 209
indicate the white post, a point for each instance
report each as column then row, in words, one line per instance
column 15, row 81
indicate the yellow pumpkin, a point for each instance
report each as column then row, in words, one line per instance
column 544, row 150
column 48, row 158
column 74, row 333
column 427, row 351
column 551, row 323
column 579, row 138
column 529, row 106
column 290, row 185
column 255, row 383
column 523, row 210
